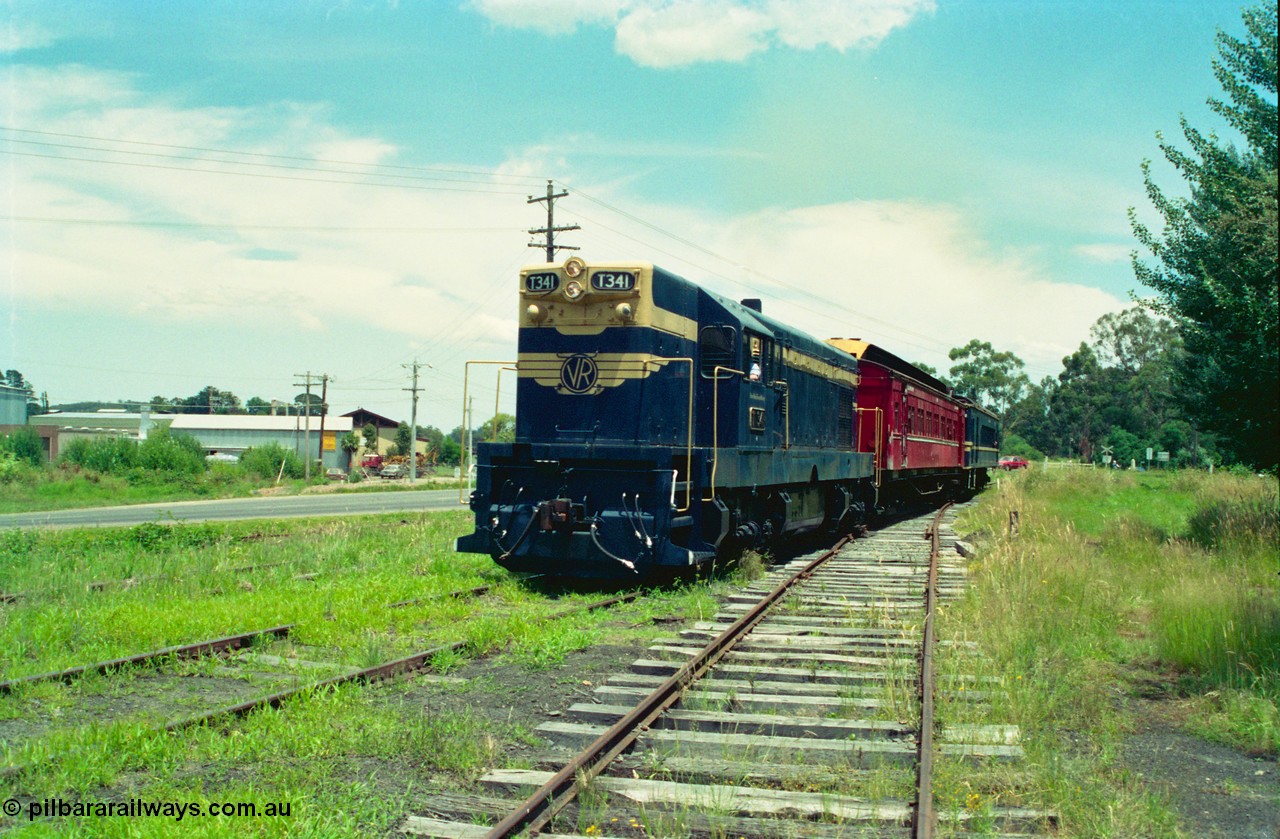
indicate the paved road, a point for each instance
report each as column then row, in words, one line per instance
column 287, row 506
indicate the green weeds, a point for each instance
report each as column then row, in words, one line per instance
column 1113, row 574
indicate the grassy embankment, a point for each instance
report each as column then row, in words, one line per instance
column 1121, row 590
column 55, row 488
column 351, row 760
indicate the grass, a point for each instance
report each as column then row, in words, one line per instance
column 351, row 760
column 1118, row 580
column 64, row 488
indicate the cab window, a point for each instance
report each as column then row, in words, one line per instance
column 716, row 345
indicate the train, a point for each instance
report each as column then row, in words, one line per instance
column 660, row 425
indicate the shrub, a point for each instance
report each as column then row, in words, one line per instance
column 1012, row 444
column 25, row 445
column 265, row 461
column 112, row 455
column 176, row 454
column 13, row 470
column 1247, row 512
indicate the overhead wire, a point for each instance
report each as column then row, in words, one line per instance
column 411, row 177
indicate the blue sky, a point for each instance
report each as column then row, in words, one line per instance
column 232, row 193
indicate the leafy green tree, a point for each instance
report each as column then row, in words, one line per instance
column 1077, row 404
column 370, row 435
column 404, row 439
column 311, row 404
column 257, row 406
column 994, row 379
column 500, row 428
column 450, row 452
column 172, row 454
column 1029, row 416
column 210, row 400
column 1215, row 269
column 272, row 460
column 15, row 380
column 350, row 444
column 24, row 444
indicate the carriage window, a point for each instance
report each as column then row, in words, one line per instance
column 717, row 345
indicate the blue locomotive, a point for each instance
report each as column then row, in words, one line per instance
column 658, row 424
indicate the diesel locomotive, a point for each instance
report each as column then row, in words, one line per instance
column 659, row 424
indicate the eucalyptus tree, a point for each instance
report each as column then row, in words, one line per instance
column 1215, row 268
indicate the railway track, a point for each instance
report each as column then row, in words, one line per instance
column 803, row 708
column 266, row 665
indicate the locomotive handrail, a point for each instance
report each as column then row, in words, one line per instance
column 688, row 452
column 466, row 381
column 715, row 424
column 497, row 396
column 786, row 410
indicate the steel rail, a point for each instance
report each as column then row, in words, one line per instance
column 377, row 673
column 925, row 817
column 466, row 592
column 540, row 807
column 196, row 650
column 380, row 672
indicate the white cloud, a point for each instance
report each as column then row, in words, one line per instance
column 910, row 277
column 555, row 17
column 675, row 33
column 914, row 279
column 269, row 253
column 1105, row 253
column 20, row 35
column 691, row 31
column 806, row 24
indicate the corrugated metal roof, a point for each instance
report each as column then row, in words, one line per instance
column 242, row 422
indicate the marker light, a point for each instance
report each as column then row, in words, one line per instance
column 535, row 313
column 625, row 312
column 573, row 289
column 574, row 267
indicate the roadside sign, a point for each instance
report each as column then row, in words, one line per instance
column 1163, row 457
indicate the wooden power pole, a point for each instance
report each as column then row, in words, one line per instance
column 551, row 230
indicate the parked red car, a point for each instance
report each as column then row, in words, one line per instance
column 1013, row 462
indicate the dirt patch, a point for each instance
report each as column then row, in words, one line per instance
column 513, row 693
column 1218, row 791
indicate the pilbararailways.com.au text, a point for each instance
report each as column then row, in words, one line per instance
column 140, row 809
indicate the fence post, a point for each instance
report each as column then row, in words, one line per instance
column 1014, row 524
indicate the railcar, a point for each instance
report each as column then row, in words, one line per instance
column 659, row 424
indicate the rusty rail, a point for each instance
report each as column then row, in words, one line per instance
column 196, row 650
column 377, row 673
column 540, row 807
column 925, row 817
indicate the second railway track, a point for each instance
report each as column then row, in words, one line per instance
column 802, row 708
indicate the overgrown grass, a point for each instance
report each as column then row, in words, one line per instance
column 1114, row 577
column 351, row 761
column 62, row 487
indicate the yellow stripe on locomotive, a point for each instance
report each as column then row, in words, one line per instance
column 577, row 299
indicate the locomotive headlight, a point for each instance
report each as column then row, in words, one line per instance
column 574, row 267
column 625, row 312
column 573, row 289
column 535, row 312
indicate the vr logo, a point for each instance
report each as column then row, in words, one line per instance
column 579, row 374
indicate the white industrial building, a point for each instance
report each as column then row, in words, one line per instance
column 227, row 434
